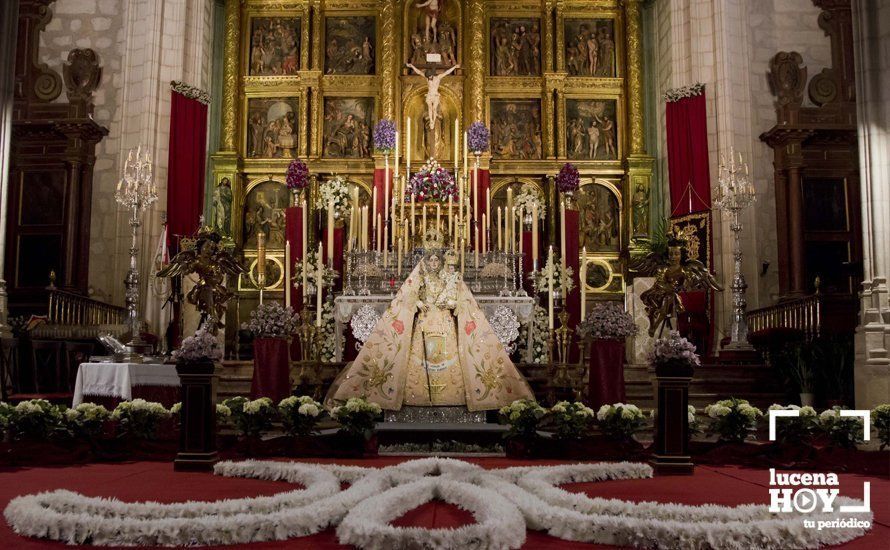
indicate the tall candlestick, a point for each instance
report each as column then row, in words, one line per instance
column 562, row 234
column 535, row 234
column 466, row 172
column 462, row 251
column 379, row 240
column 456, row 142
column 550, row 288
column 303, row 247
column 581, row 280
column 386, row 189
column 408, row 150
column 413, row 228
column 398, row 146
column 476, row 252
column 319, row 276
column 450, row 202
column 520, row 231
column 385, row 248
column 488, row 204
column 287, row 281
column 423, row 223
column 399, row 258
column 500, row 237
column 374, row 213
column 484, row 236
column 476, row 191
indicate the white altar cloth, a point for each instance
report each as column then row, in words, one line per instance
column 118, row 379
column 346, row 306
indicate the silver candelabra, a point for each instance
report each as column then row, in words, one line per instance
column 734, row 194
column 136, row 192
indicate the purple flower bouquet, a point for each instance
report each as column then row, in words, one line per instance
column 674, row 349
column 568, row 179
column 297, row 175
column 385, row 135
column 478, row 138
column 607, row 321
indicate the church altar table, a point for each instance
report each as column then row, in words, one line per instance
column 346, row 306
column 115, row 382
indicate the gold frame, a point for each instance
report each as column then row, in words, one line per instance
column 346, row 12
column 620, row 129
column 518, row 12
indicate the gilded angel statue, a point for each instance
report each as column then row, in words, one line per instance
column 680, row 274
column 211, row 262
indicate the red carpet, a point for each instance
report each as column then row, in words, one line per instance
column 157, row 481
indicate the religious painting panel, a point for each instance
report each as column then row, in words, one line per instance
column 825, row 204
column 264, row 208
column 600, row 219
column 350, row 45
column 347, row 127
column 590, row 47
column 272, row 127
column 42, row 197
column 591, row 129
column 274, row 46
column 516, row 129
column 515, row 46
column 221, row 207
column 431, row 34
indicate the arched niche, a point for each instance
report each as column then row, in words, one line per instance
column 601, row 216
column 415, row 108
column 499, row 187
column 265, row 199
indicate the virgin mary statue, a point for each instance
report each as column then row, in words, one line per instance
column 432, row 347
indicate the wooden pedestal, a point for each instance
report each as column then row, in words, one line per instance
column 197, row 427
column 671, row 449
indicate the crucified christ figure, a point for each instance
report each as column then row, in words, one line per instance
column 432, row 94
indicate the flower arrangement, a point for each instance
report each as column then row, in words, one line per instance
column 328, row 349
column 297, row 177
column 35, row 419
column 571, row 420
column 432, row 182
column 607, row 321
column 733, row 420
column 328, row 275
column 385, row 135
column 880, row 417
column 568, row 180
column 6, row 411
column 335, row 190
column 843, row 431
column 271, row 320
column 201, row 346
column 553, row 269
column 299, row 414
column 478, row 138
column 140, row 418
column 620, row 420
column 357, row 417
column 795, row 429
column 539, row 326
column 523, row 416
column 87, row 419
column 251, row 417
column 673, row 349
column 222, row 411
column 527, row 199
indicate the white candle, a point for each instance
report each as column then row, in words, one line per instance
column 466, row 171
column 450, row 202
column 581, row 281
column 303, row 246
column 386, row 189
column 520, row 230
column 488, row 204
column 287, row 281
column 456, row 141
column 484, row 236
column 385, row 248
column 508, row 234
column 413, row 228
column 475, row 191
column 438, row 216
column 500, row 237
column 398, row 146
column 550, row 290
column 374, row 216
column 331, row 232
column 423, row 224
column 408, row 149
column 318, row 278
column 535, row 234
column 562, row 235
column 378, row 234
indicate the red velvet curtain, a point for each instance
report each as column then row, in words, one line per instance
column 573, row 303
column 186, row 164
column 687, row 144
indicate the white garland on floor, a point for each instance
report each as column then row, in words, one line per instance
column 505, row 503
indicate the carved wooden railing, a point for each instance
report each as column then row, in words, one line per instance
column 814, row 316
column 71, row 315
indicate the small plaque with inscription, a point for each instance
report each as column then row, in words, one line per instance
column 433, row 58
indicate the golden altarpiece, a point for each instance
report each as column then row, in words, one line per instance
column 555, row 81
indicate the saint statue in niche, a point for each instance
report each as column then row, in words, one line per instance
column 432, row 35
column 222, row 207
column 432, row 347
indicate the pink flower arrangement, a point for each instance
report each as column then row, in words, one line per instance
column 432, row 183
column 674, row 349
column 607, row 321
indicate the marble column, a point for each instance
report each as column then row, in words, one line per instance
column 872, row 365
column 9, row 18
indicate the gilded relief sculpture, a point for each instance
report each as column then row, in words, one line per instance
column 433, row 121
column 347, row 127
column 515, row 47
column 274, row 46
column 590, row 47
column 516, row 129
column 433, row 36
column 590, row 129
column 272, row 127
column 350, row 45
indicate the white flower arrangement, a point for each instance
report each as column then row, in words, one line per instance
column 140, row 418
column 733, row 419
column 336, row 190
column 203, row 345
column 299, row 414
column 523, row 416
column 620, row 420
column 843, row 431
column 34, row 419
column 880, row 417
column 87, row 418
column 504, row 502
column 796, row 429
column 222, row 412
column 251, row 417
column 357, row 417
column 571, row 420
column 527, row 198
column 553, row 270
column 272, row 320
column 328, row 351
column 540, row 326
column 328, row 275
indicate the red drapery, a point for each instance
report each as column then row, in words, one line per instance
column 293, row 219
column 186, row 165
column 573, row 303
column 690, row 185
column 687, row 143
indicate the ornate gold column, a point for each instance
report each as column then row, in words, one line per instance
column 304, row 37
column 547, row 45
column 560, row 41
column 388, row 55
column 474, row 58
column 317, row 46
column 229, row 125
column 639, row 165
